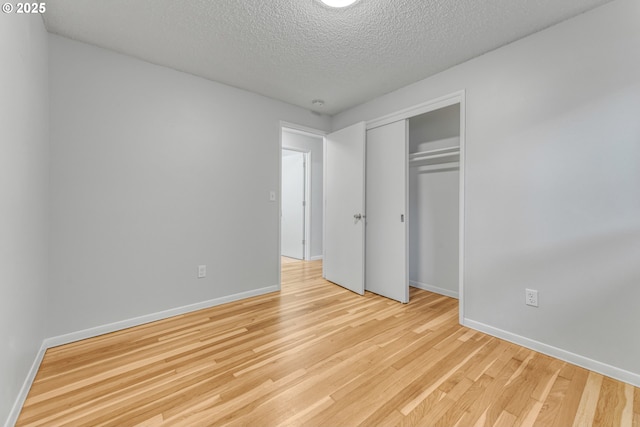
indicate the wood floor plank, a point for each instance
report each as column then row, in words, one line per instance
column 460, row 404
column 636, row 407
column 478, row 412
column 553, row 402
column 589, row 400
column 567, row 412
column 626, row 418
column 315, row 354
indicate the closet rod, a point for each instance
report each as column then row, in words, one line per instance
column 436, row 151
column 417, row 157
column 438, row 167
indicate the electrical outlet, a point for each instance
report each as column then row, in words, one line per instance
column 202, row 271
column 531, row 297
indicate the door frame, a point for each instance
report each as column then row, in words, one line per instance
column 303, row 130
column 306, row 156
column 458, row 97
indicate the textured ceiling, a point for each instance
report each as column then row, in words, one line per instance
column 300, row 50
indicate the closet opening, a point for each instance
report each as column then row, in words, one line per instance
column 434, row 201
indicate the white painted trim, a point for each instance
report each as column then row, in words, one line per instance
column 14, row 413
column 315, row 258
column 307, row 205
column 558, row 353
column 147, row 318
column 435, row 289
column 302, row 130
column 279, row 220
column 461, row 203
column 425, row 107
column 324, row 200
column 407, row 294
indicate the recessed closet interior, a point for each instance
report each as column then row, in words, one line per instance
column 433, row 192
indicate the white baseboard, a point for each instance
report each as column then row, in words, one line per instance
column 113, row 327
column 436, row 289
column 24, row 390
column 315, row 258
column 147, row 318
column 558, row 353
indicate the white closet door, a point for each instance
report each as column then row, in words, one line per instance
column 343, row 258
column 386, row 222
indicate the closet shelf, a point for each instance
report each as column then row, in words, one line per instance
column 434, row 154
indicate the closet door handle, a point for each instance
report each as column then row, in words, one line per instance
column 357, row 216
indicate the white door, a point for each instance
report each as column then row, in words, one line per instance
column 343, row 261
column 292, row 219
column 386, row 223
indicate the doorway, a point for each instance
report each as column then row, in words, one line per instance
column 298, row 142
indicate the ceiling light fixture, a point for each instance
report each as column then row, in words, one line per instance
column 338, row 3
column 318, row 102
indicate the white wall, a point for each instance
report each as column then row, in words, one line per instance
column 155, row 171
column 314, row 145
column 24, row 199
column 552, row 195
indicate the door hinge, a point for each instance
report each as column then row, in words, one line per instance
column 402, row 218
column 304, row 203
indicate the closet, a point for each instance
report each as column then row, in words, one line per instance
column 394, row 201
column 412, row 204
column 434, row 182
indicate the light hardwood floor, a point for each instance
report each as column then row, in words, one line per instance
column 318, row 355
